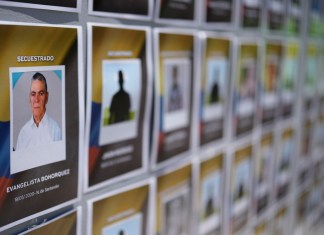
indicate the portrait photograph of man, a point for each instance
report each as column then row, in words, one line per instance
column 129, row 226
column 38, row 116
column 121, row 91
column 176, row 81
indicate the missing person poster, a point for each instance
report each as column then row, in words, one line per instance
column 174, row 68
column 250, row 13
column 262, row 173
column 302, row 211
column 139, row 9
column 217, row 12
column 173, row 202
column 320, row 80
column 123, row 212
column 283, row 169
column 41, row 118
column 67, row 224
column 57, row 5
column 311, row 77
column 211, row 190
column 294, row 17
column 175, row 11
column 289, row 78
column 245, row 88
column 269, row 97
column 282, row 221
column 118, row 100
column 240, row 189
column 276, row 14
column 215, row 77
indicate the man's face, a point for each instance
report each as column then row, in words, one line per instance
column 38, row 98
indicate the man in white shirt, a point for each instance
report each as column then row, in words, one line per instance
column 41, row 129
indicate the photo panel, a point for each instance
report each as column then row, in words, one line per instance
column 175, row 11
column 311, row 77
column 41, row 118
column 294, row 17
column 217, row 13
column 289, row 78
column 174, row 202
column 250, row 14
column 269, row 95
column 174, row 70
column 211, row 190
column 213, row 93
column 302, row 211
column 129, row 9
column 122, row 212
column 240, row 189
column 68, row 223
column 58, row 5
column 119, row 89
column 276, row 14
column 284, row 160
column 262, row 181
column 245, row 88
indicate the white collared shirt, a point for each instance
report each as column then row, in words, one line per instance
column 32, row 136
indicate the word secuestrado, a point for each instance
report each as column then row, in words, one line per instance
column 35, row 58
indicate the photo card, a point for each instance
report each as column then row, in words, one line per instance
column 245, row 88
column 262, row 183
column 214, row 88
column 269, row 94
column 289, row 78
column 119, row 98
column 174, row 201
column 283, row 165
column 174, row 97
column 211, row 190
column 41, row 119
column 240, row 188
column 123, row 211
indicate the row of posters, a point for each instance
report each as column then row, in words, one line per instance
column 42, row 104
column 279, row 15
column 259, row 177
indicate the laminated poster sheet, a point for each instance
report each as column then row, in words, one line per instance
column 174, row 53
column 41, row 118
column 240, row 188
column 123, row 212
column 211, row 190
column 173, row 202
column 119, row 89
column 213, row 93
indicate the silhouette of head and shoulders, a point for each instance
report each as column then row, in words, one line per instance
column 120, row 104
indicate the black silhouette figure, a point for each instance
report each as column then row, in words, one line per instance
column 121, row 232
column 120, row 104
column 175, row 97
column 214, row 95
